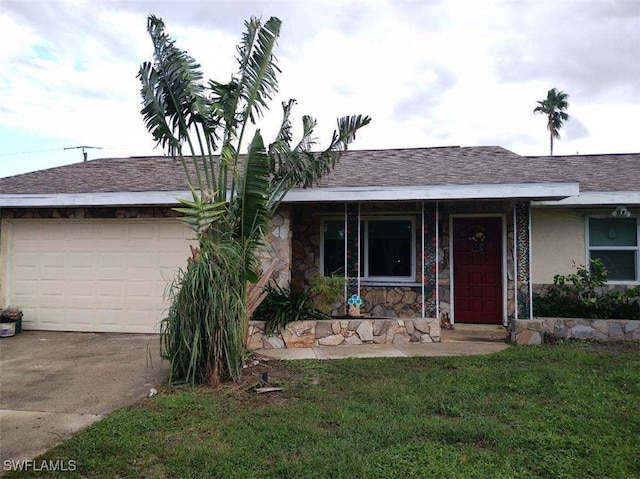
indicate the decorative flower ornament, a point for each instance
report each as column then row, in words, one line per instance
column 355, row 300
column 478, row 237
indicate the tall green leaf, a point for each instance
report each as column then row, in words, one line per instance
column 253, row 192
column 174, row 101
column 303, row 167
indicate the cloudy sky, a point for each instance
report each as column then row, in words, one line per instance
column 429, row 73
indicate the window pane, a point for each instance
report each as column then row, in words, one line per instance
column 333, row 248
column 389, row 248
column 334, row 229
column 613, row 232
column 621, row 265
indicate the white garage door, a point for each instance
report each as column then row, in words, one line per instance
column 93, row 275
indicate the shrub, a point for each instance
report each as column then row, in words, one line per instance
column 584, row 294
column 282, row 306
column 326, row 291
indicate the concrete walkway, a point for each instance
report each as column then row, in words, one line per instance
column 445, row 348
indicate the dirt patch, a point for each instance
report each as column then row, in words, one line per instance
column 262, row 371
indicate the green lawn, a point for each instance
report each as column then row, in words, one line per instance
column 570, row 410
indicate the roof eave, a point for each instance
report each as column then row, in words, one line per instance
column 126, row 198
column 588, row 198
column 530, row 191
column 538, row 191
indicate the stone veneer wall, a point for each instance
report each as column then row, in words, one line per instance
column 533, row 331
column 306, row 334
column 278, row 247
column 79, row 213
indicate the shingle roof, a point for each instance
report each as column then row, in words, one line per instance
column 396, row 167
column 612, row 172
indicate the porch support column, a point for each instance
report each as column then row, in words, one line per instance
column 522, row 259
column 352, row 250
column 429, row 260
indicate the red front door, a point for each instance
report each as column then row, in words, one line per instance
column 477, row 270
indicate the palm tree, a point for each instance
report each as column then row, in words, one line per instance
column 204, row 125
column 553, row 106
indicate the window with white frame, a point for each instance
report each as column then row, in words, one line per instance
column 387, row 248
column 614, row 241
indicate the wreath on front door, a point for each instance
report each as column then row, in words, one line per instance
column 477, row 238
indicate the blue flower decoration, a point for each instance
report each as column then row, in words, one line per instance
column 355, row 300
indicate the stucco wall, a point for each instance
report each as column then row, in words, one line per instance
column 558, row 240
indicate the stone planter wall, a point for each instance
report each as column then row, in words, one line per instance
column 336, row 332
column 532, row 331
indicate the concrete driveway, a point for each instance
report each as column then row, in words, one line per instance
column 54, row 384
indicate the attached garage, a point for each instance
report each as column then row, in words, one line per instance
column 100, row 275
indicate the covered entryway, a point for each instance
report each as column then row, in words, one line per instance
column 477, row 269
column 100, row 275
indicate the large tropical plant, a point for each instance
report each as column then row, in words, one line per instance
column 554, row 106
column 203, row 125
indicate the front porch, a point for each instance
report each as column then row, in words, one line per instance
column 406, row 259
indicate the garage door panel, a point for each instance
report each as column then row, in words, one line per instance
column 108, row 317
column 110, row 260
column 81, row 290
column 168, row 261
column 109, row 288
column 140, row 232
column 49, row 316
column 80, row 318
column 25, row 264
column 25, row 287
column 53, row 288
column 27, row 246
column 175, row 231
column 140, row 260
column 79, row 245
column 110, row 231
column 80, row 260
column 94, row 275
column 140, row 289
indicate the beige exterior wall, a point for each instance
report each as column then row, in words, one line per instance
column 557, row 241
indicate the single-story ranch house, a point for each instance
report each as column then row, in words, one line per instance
column 464, row 234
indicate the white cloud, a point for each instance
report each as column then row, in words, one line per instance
column 429, row 73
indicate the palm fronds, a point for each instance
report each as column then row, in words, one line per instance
column 553, row 107
column 204, row 331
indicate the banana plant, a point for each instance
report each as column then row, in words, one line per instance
column 203, row 125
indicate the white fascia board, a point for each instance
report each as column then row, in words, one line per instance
column 336, row 194
column 93, row 199
column 595, row 198
column 434, row 192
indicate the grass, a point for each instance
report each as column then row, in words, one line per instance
column 570, row 410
